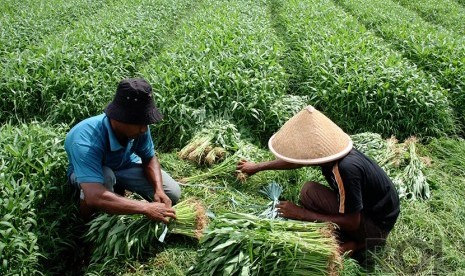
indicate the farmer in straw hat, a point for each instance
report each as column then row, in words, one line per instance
column 360, row 199
column 114, row 151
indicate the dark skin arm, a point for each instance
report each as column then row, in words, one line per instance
column 98, row 197
column 153, row 173
column 251, row 168
column 347, row 222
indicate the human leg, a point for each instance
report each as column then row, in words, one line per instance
column 368, row 234
column 362, row 243
column 86, row 211
column 134, row 180
column 317, row 197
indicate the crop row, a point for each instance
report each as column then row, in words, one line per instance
column 32, row 178
column 72, row 74
column 447, row 13
column 224, row 61
column 433, row 49
column 26, row 23
column 353, row 76
column 254, row 62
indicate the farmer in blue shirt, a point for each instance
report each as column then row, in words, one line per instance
column 114, row 151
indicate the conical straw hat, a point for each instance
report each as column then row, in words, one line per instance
column 310, row 138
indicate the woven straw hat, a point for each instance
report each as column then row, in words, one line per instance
column 310, row 138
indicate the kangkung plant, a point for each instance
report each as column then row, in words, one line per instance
column 129, row 236
column 435, row 50
column 243, row 244
column 354, row 77
column 211, row 143
column 400, row 161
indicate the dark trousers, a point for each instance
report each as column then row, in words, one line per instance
column 322, row 199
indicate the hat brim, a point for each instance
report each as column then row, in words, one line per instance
column 146, row 117
column 315, row 161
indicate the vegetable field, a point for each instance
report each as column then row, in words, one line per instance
column 226, row 75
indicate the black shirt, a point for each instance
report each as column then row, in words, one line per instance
column 367, row 188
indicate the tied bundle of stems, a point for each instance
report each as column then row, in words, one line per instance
column 412, row 180
column 226, row 167
column 222, row 169
column 191, row 219
column 128, row 236
column 243, row 244
column 400, row 161
column 211, row 144
column 250, row 152
column 201, row 150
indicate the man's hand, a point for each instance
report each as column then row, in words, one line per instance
column 247, row 167
column 159, row 212
column 99, row 197
column 290, row 210
column 162, row 198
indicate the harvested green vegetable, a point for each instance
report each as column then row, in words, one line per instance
column 373, row 145
column 223, row 169
column 241, row 244
column 211, row 143
column 272, row 191
column 400, row 161
column 412, row 176
column 245, row 150
column 130, row 235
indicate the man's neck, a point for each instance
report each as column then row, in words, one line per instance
column 122, row 139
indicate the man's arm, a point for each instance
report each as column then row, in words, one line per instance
column 152, row 171
column 99, row 197
column 347, row 222
column 251, row 168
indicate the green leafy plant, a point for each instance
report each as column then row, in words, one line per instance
column 272, row 191
column 129, row 236
column 32, row 178
column 241, row 244
column 412, row 180
column 436, row 50
column 85, row 61
column 227, row 64
column 400, row 161
column 354, row 77
column 223, row 169
column 449, row 14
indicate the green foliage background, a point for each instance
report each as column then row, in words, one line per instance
column 388, row 67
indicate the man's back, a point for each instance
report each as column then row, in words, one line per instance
column 367, row 189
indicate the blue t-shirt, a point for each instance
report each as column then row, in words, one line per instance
column 92, row 144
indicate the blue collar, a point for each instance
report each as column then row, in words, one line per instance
column 114, row 143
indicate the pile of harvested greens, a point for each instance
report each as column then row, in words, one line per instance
column 115, row 236
column 400, row 160
column 211, row 143
column 242, row 244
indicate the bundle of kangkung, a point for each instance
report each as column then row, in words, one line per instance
column 400, row 160
column 243, row 244
column 212, row 143
column 116, row 236
column 264, row 244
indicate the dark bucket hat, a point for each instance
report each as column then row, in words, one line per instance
column 133, row 103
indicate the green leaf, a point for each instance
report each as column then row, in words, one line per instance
column 223, row 245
